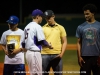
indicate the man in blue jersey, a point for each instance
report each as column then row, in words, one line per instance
column 88, row 34
column 34, row 39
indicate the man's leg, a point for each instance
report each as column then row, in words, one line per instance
column 20, row 68
column 95, row 67
column 86, row 67
column 8, row 69
column 34, row 62
column 57, row 65
column 46, row 64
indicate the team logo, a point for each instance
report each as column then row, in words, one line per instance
column 12, row 18
column 46, row 13
column 90, row 36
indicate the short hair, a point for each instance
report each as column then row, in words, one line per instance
column 91, row 7
column 33, row 17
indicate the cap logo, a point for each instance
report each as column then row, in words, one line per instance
column 11, row 18
column 46, row 13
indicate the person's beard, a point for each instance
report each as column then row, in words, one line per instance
column 88, row 19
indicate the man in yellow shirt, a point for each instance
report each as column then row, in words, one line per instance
column 56, row 35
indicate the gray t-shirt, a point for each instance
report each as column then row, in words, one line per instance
column 90, row 36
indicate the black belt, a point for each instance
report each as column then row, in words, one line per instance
column 35, row 50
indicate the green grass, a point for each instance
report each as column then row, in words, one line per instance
column 69, row 62
column 71, row 40
column 69, row 57
column 2, row 55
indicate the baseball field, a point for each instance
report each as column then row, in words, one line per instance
column 70, row 64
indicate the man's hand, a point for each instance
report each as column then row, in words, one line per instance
column 6, row 52
column 50, row 46
column 23, row 50
column 15, row 51
column 81, row 61
column 59, row 56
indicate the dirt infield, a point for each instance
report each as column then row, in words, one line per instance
column 1, row 68
column 69, row 47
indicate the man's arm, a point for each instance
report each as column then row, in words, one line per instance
column 4, row 49
column 15, row 51
column 45, row 43
column 80, row 59
column 64, row 45
column 78, row 47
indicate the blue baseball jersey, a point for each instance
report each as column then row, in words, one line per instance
column 90, row 35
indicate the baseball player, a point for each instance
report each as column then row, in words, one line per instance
column 11, row 43
column 34, row 39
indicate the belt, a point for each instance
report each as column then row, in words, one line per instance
column 35, row 50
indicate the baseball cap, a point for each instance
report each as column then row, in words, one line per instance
column 37, row 12
column 13, row 20
column 48, row 13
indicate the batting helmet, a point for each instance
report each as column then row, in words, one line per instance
column 13, row 20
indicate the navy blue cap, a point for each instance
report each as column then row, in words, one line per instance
column 13, row 20
column 37, row 12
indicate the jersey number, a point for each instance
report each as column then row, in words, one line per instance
column 26, row 34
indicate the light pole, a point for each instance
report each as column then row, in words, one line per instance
column 20, row 11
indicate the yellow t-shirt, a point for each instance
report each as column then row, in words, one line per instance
column 53, row 35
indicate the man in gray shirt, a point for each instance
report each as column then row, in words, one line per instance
column 88, row 34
